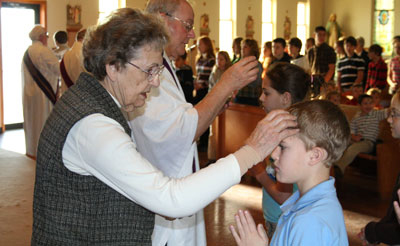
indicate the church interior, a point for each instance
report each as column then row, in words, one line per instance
column 366, row 187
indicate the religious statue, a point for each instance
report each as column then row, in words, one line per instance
column 333, row 30
column 286, row 28
column 249, row 27
column 204, row 29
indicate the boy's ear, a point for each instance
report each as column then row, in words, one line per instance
column 317, row 155
column 287, row 99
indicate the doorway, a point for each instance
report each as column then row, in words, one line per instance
column 17, row 20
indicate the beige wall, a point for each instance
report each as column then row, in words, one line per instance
column 57, row 15
column 354, row 16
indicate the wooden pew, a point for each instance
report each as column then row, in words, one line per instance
column 234, row 126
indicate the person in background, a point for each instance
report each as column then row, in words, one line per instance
column 223, row 63
column 184, row 73
column 350, row 68
column 278, row 51
column 377, row 69
column 387, row 229
column 294, row 51
column 394, row 68
column 237, row 49
column 285, row 84
column 361, row 52
column 334, row 97
column 79, row 198
column 39, row 95
column 376, row 93
column 355, row 92
column 250, row 93
column 322, row 57
column 364, row 133
column 267, row 57
column 61, row 42
column 313, row 214
column 340, row 53
column 71, row 65
column 167, row 127
column 310, row 42
column 204, row 64
column 326, row 88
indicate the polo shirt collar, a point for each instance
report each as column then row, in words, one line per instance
column 294, row 204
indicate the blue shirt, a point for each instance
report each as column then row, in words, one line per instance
column 316, row 218
column 271, row 209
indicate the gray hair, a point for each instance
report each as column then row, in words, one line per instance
column 163, row 6
column 117, row 41
column 36, row 32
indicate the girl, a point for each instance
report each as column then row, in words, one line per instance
column 223, row 63
column 284, row 85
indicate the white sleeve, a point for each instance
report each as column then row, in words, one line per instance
column 98, row 146
column 165, row 127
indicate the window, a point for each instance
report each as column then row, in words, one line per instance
column 227, row 24
column 107, row 6
column 384, row 25
column 302, row 24
column 267, row 24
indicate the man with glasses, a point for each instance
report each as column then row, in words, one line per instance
column 167, row 127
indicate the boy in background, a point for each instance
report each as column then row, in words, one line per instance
column 350, row 68
column 312, row 215
column 356, row 91
column 377, row 69
column 364, row 132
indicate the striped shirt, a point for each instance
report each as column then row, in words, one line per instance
column 349, row 67
column 367, row 125
column 395, row 68
column 203, row 70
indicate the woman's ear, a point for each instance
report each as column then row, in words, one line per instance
column 112, row 72
column 286, row 99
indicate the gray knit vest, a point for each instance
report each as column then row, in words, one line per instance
column 72, row 209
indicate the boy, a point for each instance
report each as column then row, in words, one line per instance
column 294, row 51
column 356, row 91
column 351, row 67
column 334, row 97
column 364, row 132
column 278, row 51
column 377, row 69
column 312, row 215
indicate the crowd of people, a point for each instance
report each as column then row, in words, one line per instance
column 116, row 122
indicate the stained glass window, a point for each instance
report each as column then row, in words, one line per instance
column 384, row 25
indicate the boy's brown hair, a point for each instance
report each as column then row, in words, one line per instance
column 322, row 124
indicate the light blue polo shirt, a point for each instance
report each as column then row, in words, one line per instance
column 316, row 218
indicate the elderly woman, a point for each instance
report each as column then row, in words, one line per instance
column 92, row 186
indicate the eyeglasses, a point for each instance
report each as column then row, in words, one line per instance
column 393, row 113
column 186, row 24
column 152, row 73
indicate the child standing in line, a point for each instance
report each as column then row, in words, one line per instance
column 312, row 215
column 377, row 69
